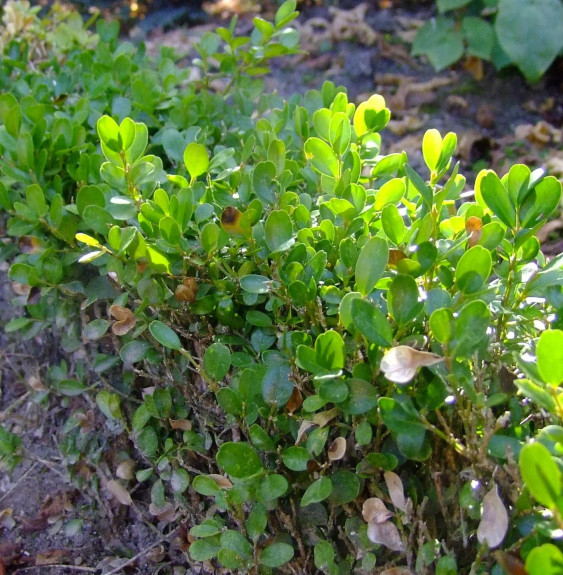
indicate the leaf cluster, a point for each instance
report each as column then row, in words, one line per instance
column 345, row 359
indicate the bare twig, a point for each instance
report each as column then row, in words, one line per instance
column 74, row 567
column 140, row 554
column 19, row 481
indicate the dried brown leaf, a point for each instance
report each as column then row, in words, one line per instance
column 119, row 492
column 221, row 481
column 396, row 490
column 386, row 534
column 126, row 469
column 182, row 424
column 324, row 417
column 126, row 320
column 397, row 571
column 494, row 520
column 295, row 400
column 512, row 565
column 305, row 425
column 337, row 449
column 401, row 363
column 51, row 557
column 166, row 513
column 374, row 511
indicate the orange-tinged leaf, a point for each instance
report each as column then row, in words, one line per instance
column 295, row 400
column 230, row 220
column 395, row 256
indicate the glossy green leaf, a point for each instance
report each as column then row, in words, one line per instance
column 496, row 196
column 196, row 160
column 402, row 299
column 318, row 491
column 278, row 231
column 322, row 157
column 238, row 459
column 549, row 354
column 277, row 386
column 371, row 322
column 371, row 264
column 541, row 474
column 217, row 361
column 473, row 269
column 276, row 555
column 165, row 335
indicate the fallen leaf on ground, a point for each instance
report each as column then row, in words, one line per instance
column 51, row 557
column 401, row 363
column 119, row 492
column 494, row 520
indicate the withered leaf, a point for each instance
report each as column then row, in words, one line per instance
column 221, row 481
column 119, row 492
column 182, row 424
column 126, row 320
column 126, row 469
column 401, row 363
column 295, row 400
column 337, row 449
column 374, row 511
column 473, row 227
column 494, row 520
column 385, row 534
column 396, row 490
column 305, row 425
column 51, row 557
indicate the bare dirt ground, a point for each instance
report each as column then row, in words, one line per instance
column 57, row 517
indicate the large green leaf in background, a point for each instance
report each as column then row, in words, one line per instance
column 517, row 26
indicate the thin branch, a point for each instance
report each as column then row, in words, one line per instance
column 19, row 481
column 139, row 555
column 74, row 567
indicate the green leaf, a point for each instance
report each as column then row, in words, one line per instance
column 323, row 159
column 217, row 361
column 96, row 329
column 442, row 325
column 196, row 160
column 546, row 559
column 205, row 485
column 278, row 231
column 371, row 264
column 471, row 327
column 256, row 284
column 239, row 460
column 371, row 322
column 277, row 386
column 180, row 480
column 345, row 487
column 271, row 487
column 432, row 148
column 479, row 36
column 531, row 33
column 473, row 269
column 256, row 521
column 323, row 555
column 260, row 439
column 496, row 196
column 549, row 354
column 230, row 401
column 165, row 335
column 236, row 542
column 541, row 474
column 439, row 40
column 446, row 5
column 317, row 491
column 393, row 224
column 109, row 404
column 391, row 192
column 134, row 351
column 362, row 397
column 296, row 458
column 276, row 555
column 204, row 549
column 402, row 299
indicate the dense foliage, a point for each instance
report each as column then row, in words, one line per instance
column 527, row 34
column 328, row 359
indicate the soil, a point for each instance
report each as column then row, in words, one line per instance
column 50, row 523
